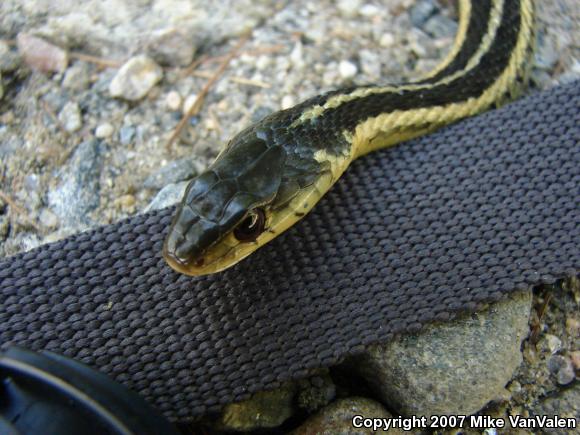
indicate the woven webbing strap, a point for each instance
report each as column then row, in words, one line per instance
column 408, row 236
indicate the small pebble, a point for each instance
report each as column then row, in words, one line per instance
column 349, row 8
column 4, row 226
column 347, row 70
column 562, row 368
column 189, row 102
column 546, row 55
column 173, row 100
column 41, row 55
column 211, row 124
column 515, row 387
column 297, row 55
column 422, row 11
column 104, row 130
column 126, row 134
column 387, row 40
column 126, row 203
column 262, row 62
column 369, row 10
column 417, row 46
column 554, row 343
column 9, row 59
column 287, row 101
column 7, row 118
column 70, row 117
column 135, row 78
column 77, row 77
column 575, row 358
column 440, row 26
column 573, row 327
column 48, row 219
column 171, row 47
column 370, row 63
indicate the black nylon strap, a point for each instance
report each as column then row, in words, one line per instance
column 411, row 235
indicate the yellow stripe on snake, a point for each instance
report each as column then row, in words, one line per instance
column 272, row 173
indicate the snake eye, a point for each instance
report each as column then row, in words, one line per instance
column 251, row 227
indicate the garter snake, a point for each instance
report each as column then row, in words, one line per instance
column 272, row 173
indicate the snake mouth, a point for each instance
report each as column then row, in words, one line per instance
column 189, row 266
column 212, row 260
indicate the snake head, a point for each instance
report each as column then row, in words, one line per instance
column 224, row 214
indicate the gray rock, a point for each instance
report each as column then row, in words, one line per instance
column 135, row 78
column 266, row 409
column 171, row 47
column 454, row 368
column 562, row 368
column 70, row 117
column 126, row 134
column 9, row 59
column 173, row 172
column 546, row 55
column 337, row 418
column 169, row 195
column 77, row 77
column 78, row 192
column 440, row 26
column 422, row 11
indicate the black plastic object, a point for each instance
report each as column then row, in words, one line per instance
column 45, row 393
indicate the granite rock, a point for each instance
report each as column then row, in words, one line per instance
column 451, row 369
column 78, row 191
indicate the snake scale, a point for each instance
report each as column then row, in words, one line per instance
column 273, row 173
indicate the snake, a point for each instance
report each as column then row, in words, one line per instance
column 272, row 173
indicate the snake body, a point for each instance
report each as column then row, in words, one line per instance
column 271, row 174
